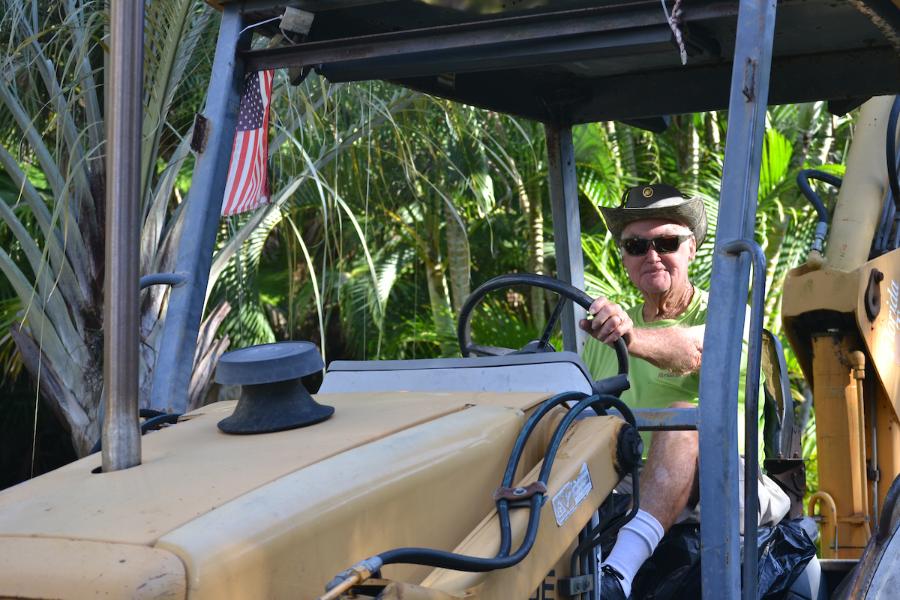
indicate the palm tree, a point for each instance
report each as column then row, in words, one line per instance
column 53, row 152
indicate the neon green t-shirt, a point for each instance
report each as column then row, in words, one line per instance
column 652, row 387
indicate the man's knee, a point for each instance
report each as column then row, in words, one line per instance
column 685, row 444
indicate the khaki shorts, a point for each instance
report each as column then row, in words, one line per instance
column 774, row 504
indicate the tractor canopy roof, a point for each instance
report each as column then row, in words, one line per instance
column 576, row 61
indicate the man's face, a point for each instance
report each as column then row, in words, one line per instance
column 655, row 273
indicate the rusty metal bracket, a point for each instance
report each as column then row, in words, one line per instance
column 200, row 135
column 749, row 80
column 516, row 494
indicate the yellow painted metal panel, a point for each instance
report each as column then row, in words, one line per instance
column 62, row 569
column 882, row 334
column 425, row 486
column 806, row 291
column 192, row 468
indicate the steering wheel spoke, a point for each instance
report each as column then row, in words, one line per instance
column 544, row 342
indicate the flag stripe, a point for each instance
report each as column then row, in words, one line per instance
column 253, row 184
column 238, row 173
column 243, row 187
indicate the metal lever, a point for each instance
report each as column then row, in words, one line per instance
column 751, row 410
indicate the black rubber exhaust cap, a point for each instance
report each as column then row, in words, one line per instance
column 272, row 396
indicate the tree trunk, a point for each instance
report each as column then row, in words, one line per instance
column 827, row 141
column 438, row 295
column 531, row 207
column 536, row 258
column 625, row 139
column 609, row 128
column 458, row 257
column 806, row 126
column 695, row 155
column 687, row 145
column 713, row 135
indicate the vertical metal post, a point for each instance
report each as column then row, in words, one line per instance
column 566, row 227
column 751, row 410
column 720, row 558
column 175, row 362
column 121, row 432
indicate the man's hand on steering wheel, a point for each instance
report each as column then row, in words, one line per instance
column 609, row 322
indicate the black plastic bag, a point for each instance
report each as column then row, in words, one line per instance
column 784, row 552
column 673, row 572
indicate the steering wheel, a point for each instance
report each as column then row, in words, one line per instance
column 565, row 291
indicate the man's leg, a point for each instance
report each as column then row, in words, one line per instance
column 666, row 483
column 669, row 474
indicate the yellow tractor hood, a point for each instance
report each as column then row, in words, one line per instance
column 210, row 514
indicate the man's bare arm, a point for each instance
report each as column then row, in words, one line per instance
column 675, row 349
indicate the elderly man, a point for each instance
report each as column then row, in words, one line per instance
column 658, row 231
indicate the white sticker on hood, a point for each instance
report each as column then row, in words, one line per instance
column 571, row 495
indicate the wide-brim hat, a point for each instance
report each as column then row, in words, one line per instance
column 658, row 201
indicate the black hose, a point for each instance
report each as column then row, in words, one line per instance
column 154, row 419
column 883, row 234
column 891, row 151
column 153, row 423
column 803, row 178
column 888, row 236
column 528, row 429
column 516, row 455
column 560, row 432
column 451, row 560
column 604, row 401
column 430, row 557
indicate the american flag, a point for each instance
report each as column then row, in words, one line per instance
column 247, row 186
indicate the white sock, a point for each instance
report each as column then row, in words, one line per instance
column 636, row 542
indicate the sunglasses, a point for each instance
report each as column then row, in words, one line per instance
column 665, row 244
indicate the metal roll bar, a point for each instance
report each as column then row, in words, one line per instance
column 751, row 410
column 121, row 433
column 728, row 299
